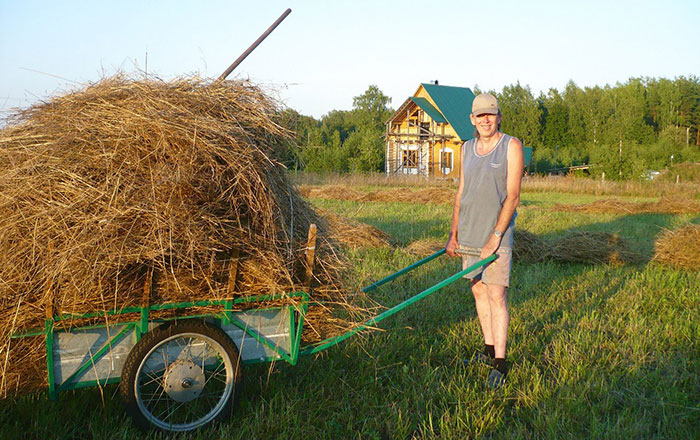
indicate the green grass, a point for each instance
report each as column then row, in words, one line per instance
column 597, row 351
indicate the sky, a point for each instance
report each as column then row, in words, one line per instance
column 327, row 52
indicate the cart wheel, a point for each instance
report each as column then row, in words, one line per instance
column 181, row 376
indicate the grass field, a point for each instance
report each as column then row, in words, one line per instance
column 596, row 351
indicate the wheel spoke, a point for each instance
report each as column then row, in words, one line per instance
column 216, row 373
column 154, row 377
column 170, row 414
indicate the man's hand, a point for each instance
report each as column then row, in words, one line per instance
column 490, row 246
column 452, row 245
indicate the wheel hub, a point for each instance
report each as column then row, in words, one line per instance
column 184, row 381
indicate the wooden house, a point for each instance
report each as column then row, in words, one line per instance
column 424, row 136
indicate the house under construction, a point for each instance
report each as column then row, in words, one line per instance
column 424, row 136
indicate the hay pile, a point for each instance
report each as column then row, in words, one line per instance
column 679, row 248
column 573, row 247
column 355, row 234
column 103, row 185
column 528, row 247
column 665, row 205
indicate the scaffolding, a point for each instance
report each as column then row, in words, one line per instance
column 410, row 147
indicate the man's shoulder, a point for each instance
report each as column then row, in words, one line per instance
column 514, row 142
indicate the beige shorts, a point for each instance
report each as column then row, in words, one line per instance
column 496, row 272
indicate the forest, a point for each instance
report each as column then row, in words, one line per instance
column 624, row 131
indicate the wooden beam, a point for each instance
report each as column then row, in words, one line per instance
column 147, row 288
column 310, row 256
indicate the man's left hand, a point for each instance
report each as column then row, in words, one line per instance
column 490, row 246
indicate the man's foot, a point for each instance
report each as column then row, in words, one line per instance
column 479, row 358
column 495, row 380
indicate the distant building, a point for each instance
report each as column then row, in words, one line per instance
column 424, row 136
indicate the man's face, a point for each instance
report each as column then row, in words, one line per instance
column 486, row 124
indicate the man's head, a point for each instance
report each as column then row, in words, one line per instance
column 484, row 104
column 486, row 115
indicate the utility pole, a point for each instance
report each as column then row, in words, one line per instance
column 620, row 155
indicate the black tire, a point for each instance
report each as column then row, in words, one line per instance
column 181, row 377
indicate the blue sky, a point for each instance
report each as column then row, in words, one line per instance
column 326, row 52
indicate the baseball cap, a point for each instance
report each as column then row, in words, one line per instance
column 485, row 104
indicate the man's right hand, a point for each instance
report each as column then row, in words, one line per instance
column 452, row 245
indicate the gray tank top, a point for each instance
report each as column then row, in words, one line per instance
column 483, row 194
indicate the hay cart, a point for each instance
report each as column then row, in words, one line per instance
column 180, row 373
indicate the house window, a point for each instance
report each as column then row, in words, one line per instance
column 409, row 159
column 446, row 160
column 424, row 130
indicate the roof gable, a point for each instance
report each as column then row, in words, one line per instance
column 455, row 104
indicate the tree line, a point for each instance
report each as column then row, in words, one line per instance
column 623, row 130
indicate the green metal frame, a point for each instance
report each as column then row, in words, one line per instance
column 338, row 339
column 297, row 312
column 227, row 315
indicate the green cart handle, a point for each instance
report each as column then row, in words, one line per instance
column 338, row 339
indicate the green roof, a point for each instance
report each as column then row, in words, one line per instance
column 527, row 155
column 455, row 104
column 429, row 109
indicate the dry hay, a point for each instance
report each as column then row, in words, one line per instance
column 677, row 205
column 425, row 247
column 330, row 192
column 679, row 248
column 591, row 247
column 665, row 205
column 440, row 195
column 572, row 247
column 528, row 247
column 355, row 234
column 100, row 186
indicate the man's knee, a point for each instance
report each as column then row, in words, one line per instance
column 479, row 289
column 497, row 295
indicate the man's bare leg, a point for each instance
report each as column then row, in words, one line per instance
column 483, row 310
column 498, row 311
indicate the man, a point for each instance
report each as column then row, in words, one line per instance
column 482, row 224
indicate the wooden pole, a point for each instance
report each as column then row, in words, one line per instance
column 50, row 297
column 252, row 47
column 233, row 270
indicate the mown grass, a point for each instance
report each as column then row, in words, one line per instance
column 597, row 351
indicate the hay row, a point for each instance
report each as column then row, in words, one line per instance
column 440, row 196
column 665, row 205
column 572, row 247
column 445, row 196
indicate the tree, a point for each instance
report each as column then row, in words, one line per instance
column 365, row 145
column 521, row 114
